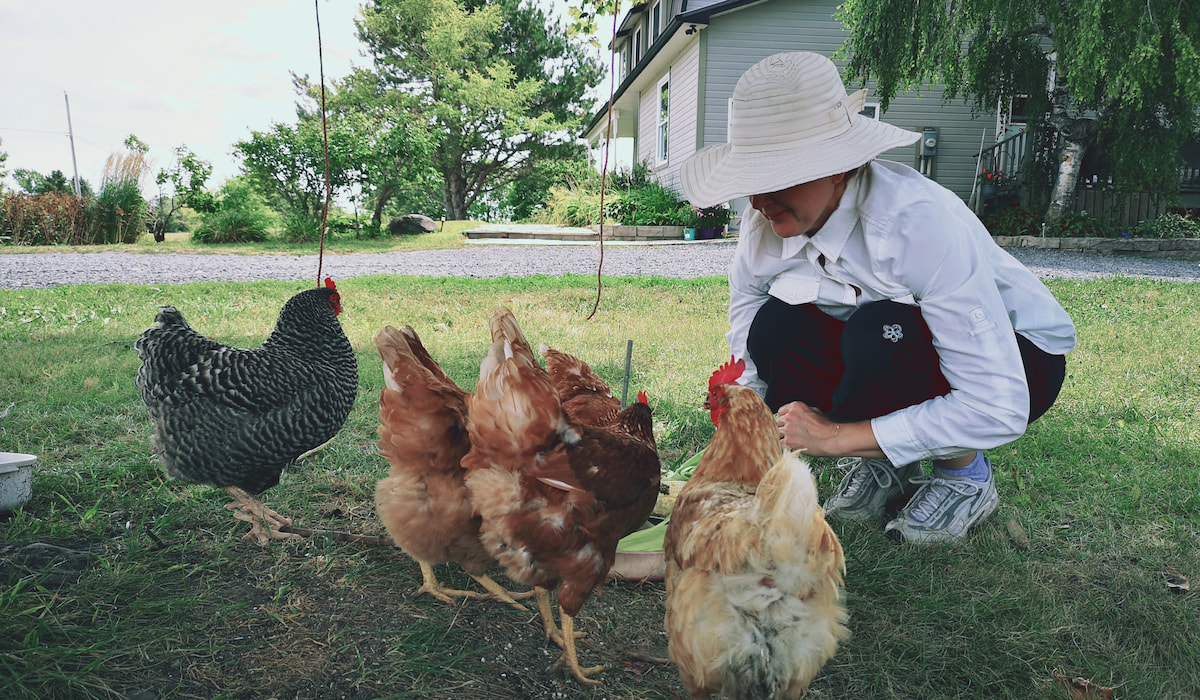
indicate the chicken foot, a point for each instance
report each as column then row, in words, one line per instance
column 565, row 638
column 500, row 593
column 433, row 587
column 264, row 522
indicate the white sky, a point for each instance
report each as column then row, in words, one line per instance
column 203, row 74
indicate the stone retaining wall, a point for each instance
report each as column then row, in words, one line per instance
column 1178, row 248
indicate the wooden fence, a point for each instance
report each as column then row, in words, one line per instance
column 1094, row 196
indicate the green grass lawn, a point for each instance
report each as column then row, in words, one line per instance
column 1100, row 501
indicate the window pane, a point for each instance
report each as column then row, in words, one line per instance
column 663, row 119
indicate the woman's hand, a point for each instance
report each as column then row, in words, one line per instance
column 807, row 430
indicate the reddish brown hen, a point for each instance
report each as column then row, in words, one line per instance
column 555, row 496
column 234, row 418
column 754, row 573
column 585, row 397
column 423, row 501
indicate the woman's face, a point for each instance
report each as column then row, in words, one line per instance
column 801, row 209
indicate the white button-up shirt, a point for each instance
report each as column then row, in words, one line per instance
column 900, row 236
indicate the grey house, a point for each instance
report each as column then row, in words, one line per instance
column 678, row 62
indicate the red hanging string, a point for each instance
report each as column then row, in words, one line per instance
column 325, row 143
column 612, row 82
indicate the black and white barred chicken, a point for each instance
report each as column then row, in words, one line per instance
column 234, row 418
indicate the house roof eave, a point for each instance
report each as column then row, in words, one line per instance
column 694, row 19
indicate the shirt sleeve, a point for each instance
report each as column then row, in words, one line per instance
column 747, row 294
column 937, row 255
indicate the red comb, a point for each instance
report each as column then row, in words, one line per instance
column 642, row 398
column 727, row 373
column 329, row 283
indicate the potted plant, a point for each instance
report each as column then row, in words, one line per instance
column 710, row 222
column 992, row 181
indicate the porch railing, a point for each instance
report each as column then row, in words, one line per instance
column 1091, row 194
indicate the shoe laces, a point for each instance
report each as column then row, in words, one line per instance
column 933, row 492
column 861, row 470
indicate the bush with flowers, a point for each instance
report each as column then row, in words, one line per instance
column 991, row 177
column 709, row 217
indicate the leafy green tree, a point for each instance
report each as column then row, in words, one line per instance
column 287, row 165
column 37, row 183
column 498, row 84
column 390, row 151
column 533, row 192
column 1125, row 71
column 182, row 183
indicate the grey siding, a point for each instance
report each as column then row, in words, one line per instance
column 737, row 40
column 684, row 107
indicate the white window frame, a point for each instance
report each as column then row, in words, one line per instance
column 662, row 131
column 655, row 20
column 637, row 45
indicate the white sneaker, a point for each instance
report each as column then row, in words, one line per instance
column 865, row 490
column 944, row 509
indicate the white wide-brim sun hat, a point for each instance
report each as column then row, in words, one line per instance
column 791, row 123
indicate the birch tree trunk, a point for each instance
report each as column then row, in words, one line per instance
column 1077, row 130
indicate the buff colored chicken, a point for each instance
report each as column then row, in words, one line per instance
column 555, row 496
column 423, row 501
column 754, row 573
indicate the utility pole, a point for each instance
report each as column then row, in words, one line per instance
column 71, row 136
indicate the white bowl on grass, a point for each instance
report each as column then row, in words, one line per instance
column 16, row 480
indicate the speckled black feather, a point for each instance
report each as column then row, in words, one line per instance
column 228, row 416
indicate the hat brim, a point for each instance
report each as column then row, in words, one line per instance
column 719, row 173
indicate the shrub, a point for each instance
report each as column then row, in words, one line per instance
column 652, row 204
column 241, row 216
column 630, row 178
column 43, row 219
column 572, row 206
column 1079, row 224
column 1169, row 226
column 1012, row 221
column 299, row 227
column 531, row 193
column 119, row 211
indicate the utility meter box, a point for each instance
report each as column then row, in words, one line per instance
column 929, row 141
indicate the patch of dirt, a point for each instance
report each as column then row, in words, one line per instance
column 317, row 619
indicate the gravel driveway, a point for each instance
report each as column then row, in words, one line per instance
column 682, row 260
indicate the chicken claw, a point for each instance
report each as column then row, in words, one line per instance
column 565, row 639
column 500, row 593
column 264, row 522
column 433, row 587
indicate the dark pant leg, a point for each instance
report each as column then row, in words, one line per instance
column 795, row 349
column 880, row 361
column 890, row 362
column 1045, row 374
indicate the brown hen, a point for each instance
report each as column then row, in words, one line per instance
column 555, row 496
column 423, row 501
column 754, row 572
column 585, row 397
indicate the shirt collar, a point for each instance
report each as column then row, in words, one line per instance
column 831, row 238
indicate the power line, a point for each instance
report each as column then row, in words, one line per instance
column 33, row 131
